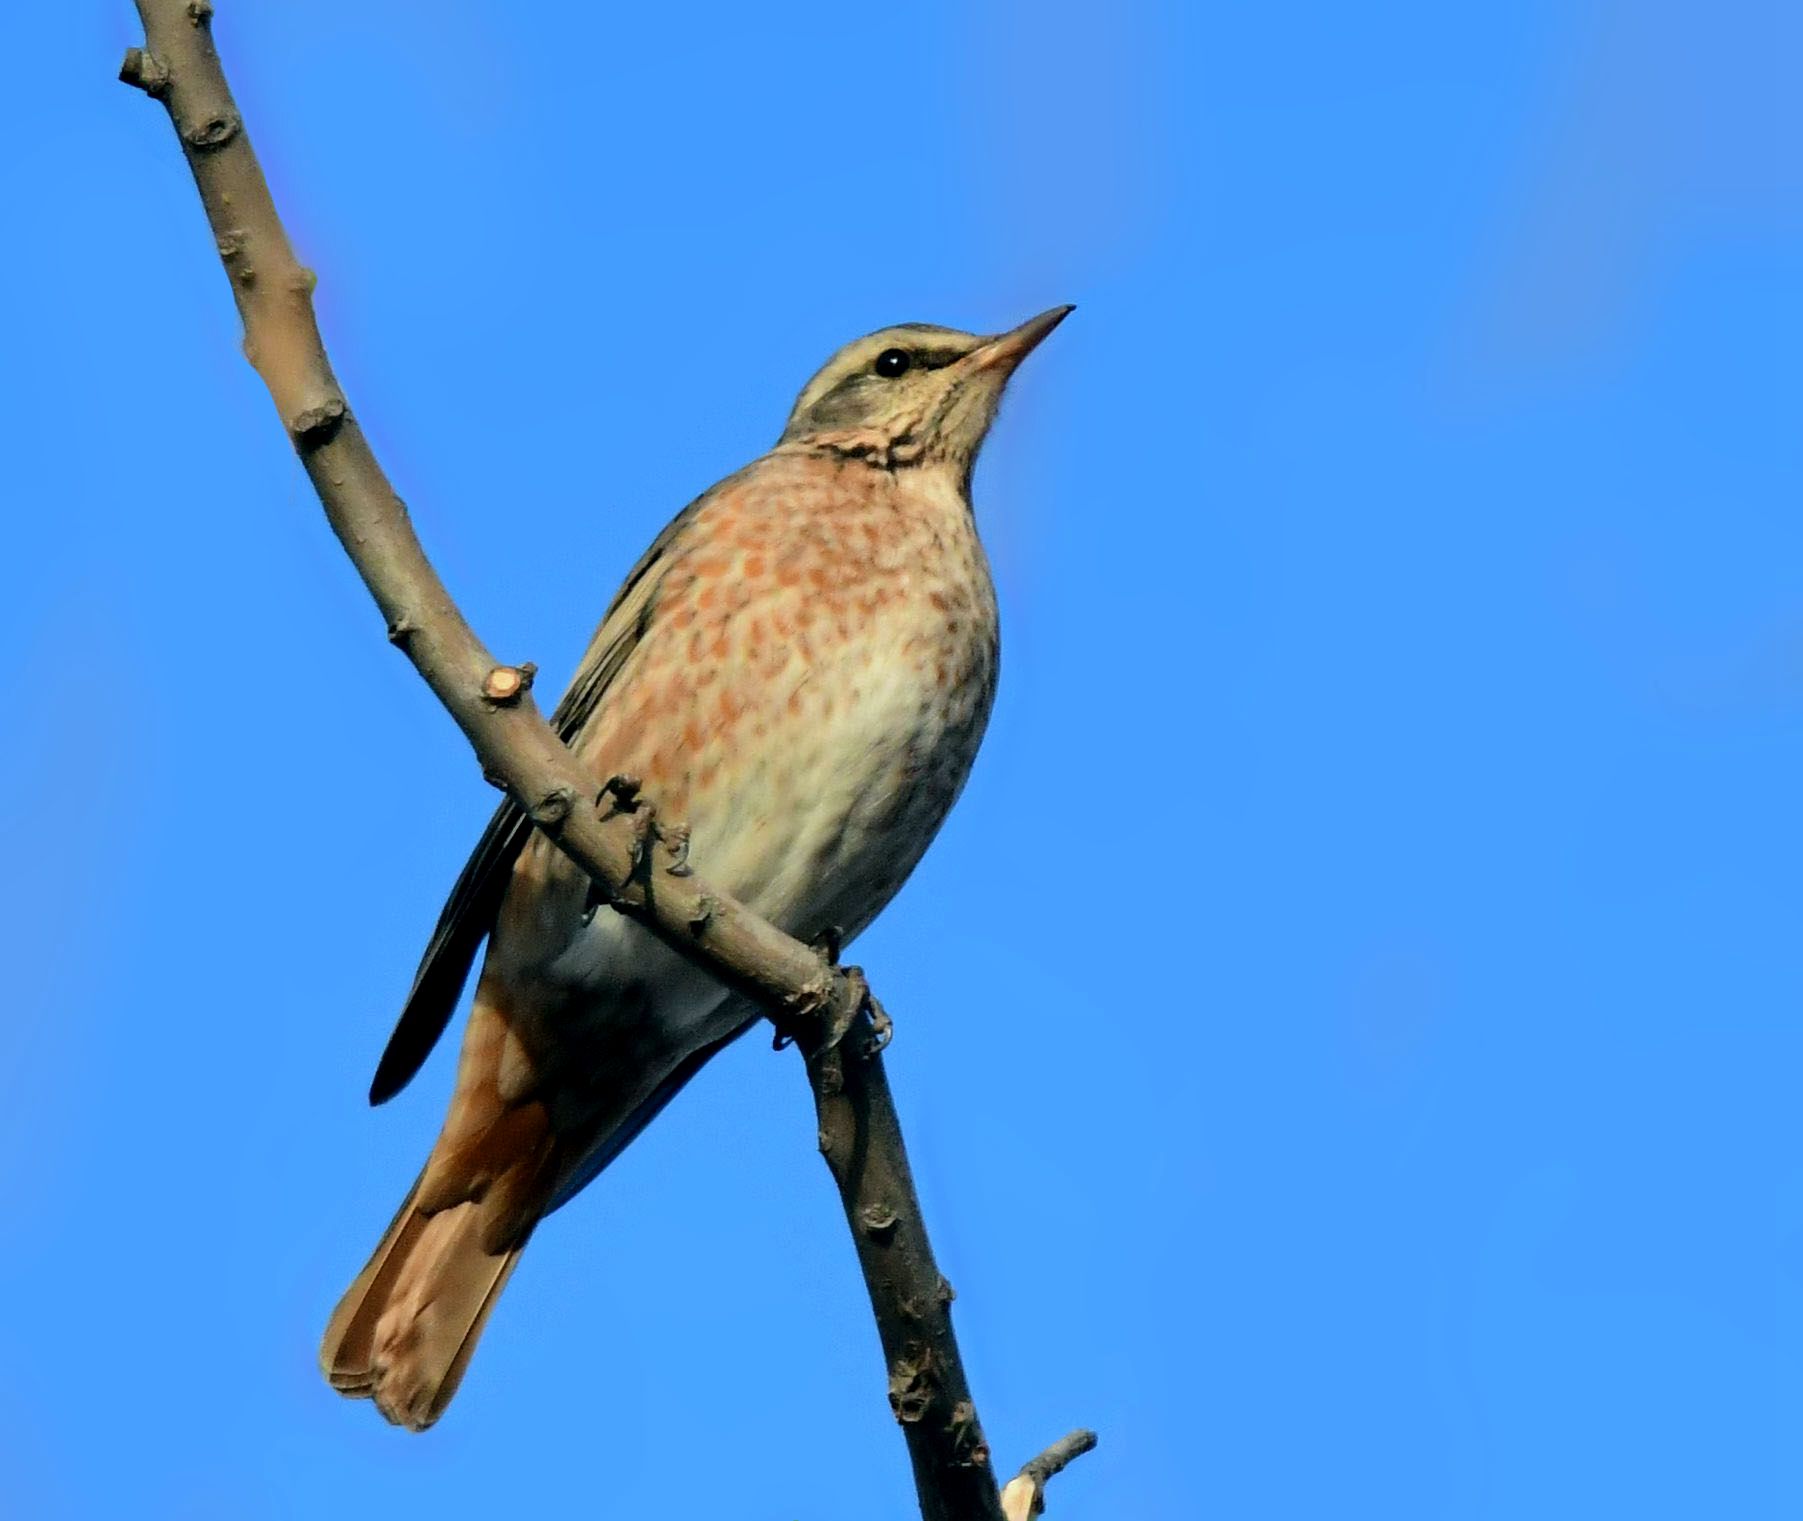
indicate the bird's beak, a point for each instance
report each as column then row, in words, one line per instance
column 1006, row 350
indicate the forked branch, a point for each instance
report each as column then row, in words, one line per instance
column 799, row 989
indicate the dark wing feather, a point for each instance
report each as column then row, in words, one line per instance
column 451, row 951
column 629, row 1129
column 476, row 899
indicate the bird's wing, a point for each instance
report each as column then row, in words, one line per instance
column 476, row 898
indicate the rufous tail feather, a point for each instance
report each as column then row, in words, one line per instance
column 404, row 1331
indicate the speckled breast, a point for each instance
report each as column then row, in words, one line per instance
column 816, row 672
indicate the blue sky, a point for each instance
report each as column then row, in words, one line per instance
column 1349, row 1031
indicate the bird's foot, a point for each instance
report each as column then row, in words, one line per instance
column 842, row 1012
column 829, row 1012
column 675, row 839
column 623, row 791
column 882, row 1027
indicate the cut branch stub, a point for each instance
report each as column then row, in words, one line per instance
column 315, row 426
column 507, row 684
column 143, row 72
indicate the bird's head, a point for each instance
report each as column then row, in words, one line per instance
column 914, row 393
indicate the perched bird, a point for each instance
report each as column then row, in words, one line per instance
column 800, row 668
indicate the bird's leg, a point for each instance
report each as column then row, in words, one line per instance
column 675, row 838
column 834, row 1015
column 882, row 1027
column 841, row 1014
column 622, row 794
column 645, row 834
column 830, row 1008
column 830, row 942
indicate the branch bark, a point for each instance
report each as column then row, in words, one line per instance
column 605, row 830
column 1023, row 1497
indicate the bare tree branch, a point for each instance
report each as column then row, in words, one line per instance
column 1023, row 1497
column 608, row 831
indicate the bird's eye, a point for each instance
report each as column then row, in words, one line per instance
column 893, row 362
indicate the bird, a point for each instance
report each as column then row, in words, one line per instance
column 800, row 669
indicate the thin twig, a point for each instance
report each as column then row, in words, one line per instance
column 794, row 984
column 1023, row 1497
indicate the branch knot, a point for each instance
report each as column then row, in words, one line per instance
column 879, row 1221
column 912, row 1387
column 553, row 808
column 213, row 133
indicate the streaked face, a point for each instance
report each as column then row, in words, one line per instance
column 931, row 390
column 896, row 373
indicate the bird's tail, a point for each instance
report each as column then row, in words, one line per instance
column 404, row 1331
